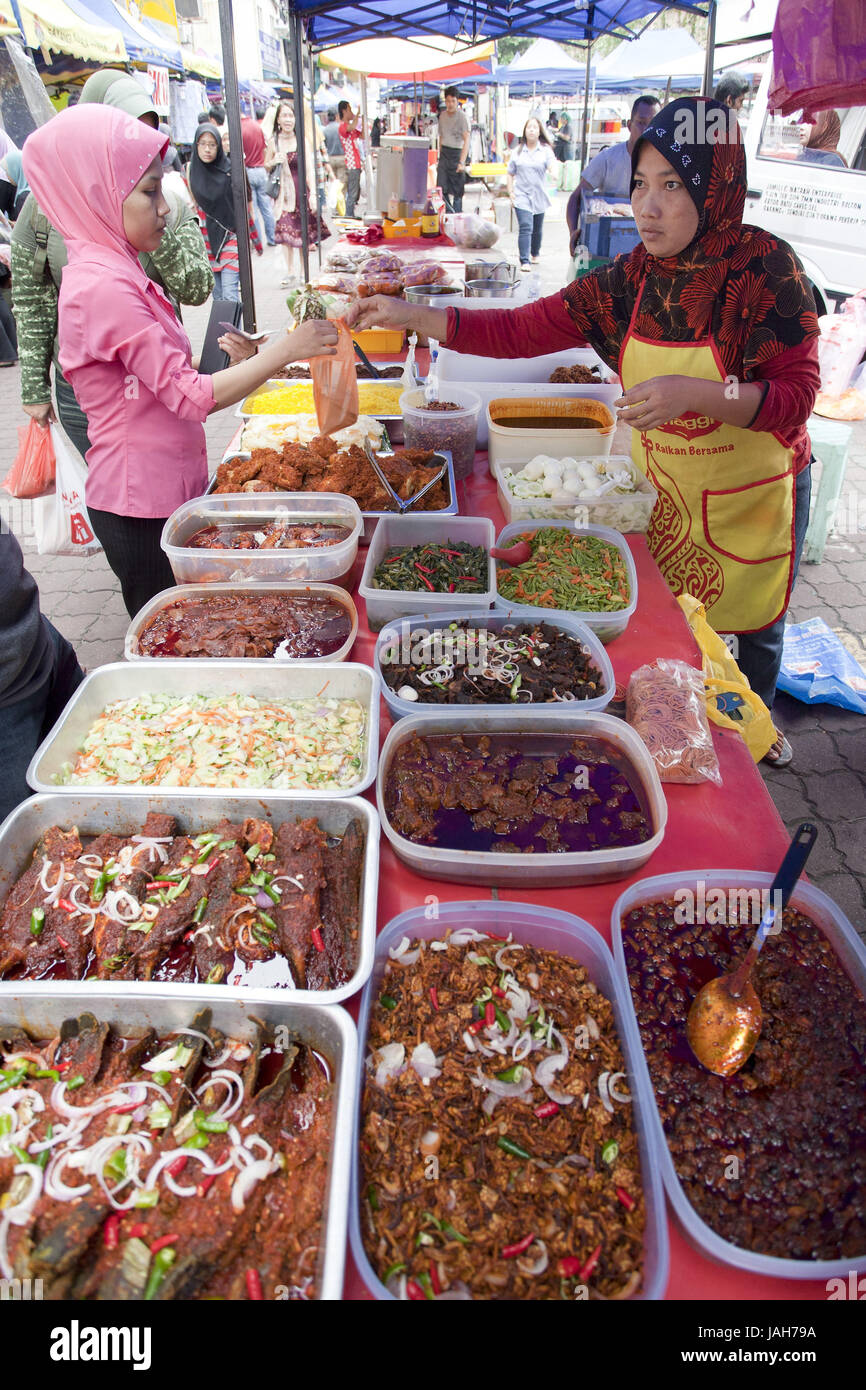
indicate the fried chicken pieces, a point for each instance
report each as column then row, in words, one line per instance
column 322, row 467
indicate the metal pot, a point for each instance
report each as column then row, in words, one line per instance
column 490, row 289
column 434, row 296
column 488, row 270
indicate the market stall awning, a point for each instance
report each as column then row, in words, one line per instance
column 55, row 27
column 657, row 53
column 573, row 20
column 201, row 64
column 8, row 22
column 392, row 57
column 144, row 43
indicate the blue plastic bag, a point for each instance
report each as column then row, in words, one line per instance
column 817, row 669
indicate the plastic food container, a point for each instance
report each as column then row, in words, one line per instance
column 529, row 870
column 454, row 430
column 132, row 651
column 370, row 519
column 380, row 339
column 492, row 378
column 330, row 1032
column 606, row 626
column 621, row 511
column 517, row 446
column 124, row 680
column 850, row 951
column 550, row 930
column 383, row 605
column 106, row 812
column 193, row 566
column 410, row 629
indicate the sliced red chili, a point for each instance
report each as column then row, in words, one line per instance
column 489, row 1014
column 66, row 905
column 138, row 1231
column 163, row 1241
column 569, row 1267
column 476, row 1026
column 434, row 1279
column 434, row 997
column 586, row 1269
column 547, row 1110
column 205, row 1184
column 509, row 1251
column 625, row 1198
column 500, row 993
column 111, row 1231
column 415, row 1292
column 64, row 944
column 316, row 934
column 174, row 1169
column 254, row 1285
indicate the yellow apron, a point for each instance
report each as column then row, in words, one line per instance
column 723, row 527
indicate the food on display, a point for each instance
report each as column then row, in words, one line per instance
column 262, row 433
column 271, row 535
column 794, row 1115
column 323, row 467
column 666, row 705
column 567, row 570
column 548, row 422
column 453, row 568
column 570, row 480
column 577, row 375
column 244, row 903
column 184, row 1165
column 296, row 397
column 501, row 1062
column 521, row 794
column 248, row 624
column 223, row 741
column 442, row 425
column 521, row 664
column 363, row 372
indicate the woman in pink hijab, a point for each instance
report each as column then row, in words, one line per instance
column 98, row 175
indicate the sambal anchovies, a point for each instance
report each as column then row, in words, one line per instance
column 471, row 1182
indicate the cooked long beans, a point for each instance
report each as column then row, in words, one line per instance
column 567, row 570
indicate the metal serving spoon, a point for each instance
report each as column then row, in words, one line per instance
column 725, row 1019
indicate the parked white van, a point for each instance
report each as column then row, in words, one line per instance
column 818, row 207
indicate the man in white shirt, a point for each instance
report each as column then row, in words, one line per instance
column 609, row 172
column 453, row 148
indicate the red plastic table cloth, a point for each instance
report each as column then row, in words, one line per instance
column 735, row 826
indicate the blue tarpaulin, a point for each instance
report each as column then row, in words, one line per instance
column 571, row 20
column 143, row 43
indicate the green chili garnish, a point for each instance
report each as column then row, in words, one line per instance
column 37, row 921
column 12, row 1077
column 268, row 921
column 198, row 1141
column 508, row 1146
column 200, row 910
column 397, row 1268
column 74, row 1082
column 207, row 1125
column 387, row 1001
column 21, row 1154
column 162, row 1263
column 253, row 852
column 43, row 1157
column 373, row 1197
column 511, row 1073
column 609, row 1152
column 162, row 1078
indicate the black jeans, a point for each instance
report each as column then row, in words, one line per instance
column 25, row 724
column 448, row 178
column 759, row 654
column 132, row 548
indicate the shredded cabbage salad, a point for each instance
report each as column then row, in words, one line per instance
column 224, row 741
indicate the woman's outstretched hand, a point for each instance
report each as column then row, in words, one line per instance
column 380, row 311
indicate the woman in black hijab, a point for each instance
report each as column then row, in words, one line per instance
column 211, row 184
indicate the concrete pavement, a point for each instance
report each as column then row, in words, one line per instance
column 827, row 782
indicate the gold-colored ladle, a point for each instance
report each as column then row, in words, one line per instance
column 725, row 1019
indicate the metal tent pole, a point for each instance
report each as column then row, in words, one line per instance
column 711, row 49
column 298, row 103
column 239, row 182
column 315, row 156
column 365, row 131
column 584, row 144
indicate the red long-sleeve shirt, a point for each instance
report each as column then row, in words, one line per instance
column 791, row 380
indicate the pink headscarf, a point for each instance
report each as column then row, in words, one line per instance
column 81, row 166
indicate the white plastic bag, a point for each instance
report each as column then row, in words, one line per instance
column 60, row 520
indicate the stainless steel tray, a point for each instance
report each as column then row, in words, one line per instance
column 122, row 680
column 132, row 652
column 329, row 1031
column 99, row 814
column 369, row 518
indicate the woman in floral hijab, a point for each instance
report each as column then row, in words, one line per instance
column 711, row 326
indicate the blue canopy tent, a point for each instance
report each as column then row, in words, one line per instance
column 144, row 44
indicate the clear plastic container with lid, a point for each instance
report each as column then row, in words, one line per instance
column 549, row 930
column 426, row 427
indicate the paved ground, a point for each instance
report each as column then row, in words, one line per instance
column 828, row 779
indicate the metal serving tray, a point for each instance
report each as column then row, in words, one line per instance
column 393, row 423
column 132, row 650
column 329, row 1031
column 99, row 814
column 122, row 680
column 369, row 518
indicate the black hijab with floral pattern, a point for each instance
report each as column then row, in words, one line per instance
column 734, row 283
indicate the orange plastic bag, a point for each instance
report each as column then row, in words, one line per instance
column 335, row 385
column 32, row 471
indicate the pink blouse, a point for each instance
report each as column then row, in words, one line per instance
column 130, row 365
